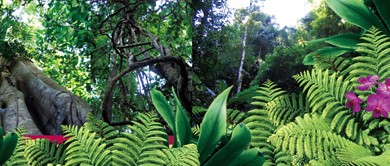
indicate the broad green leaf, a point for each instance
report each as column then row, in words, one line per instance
column 183, row 127
column 244, row 96
column 355, row 12
column 249, row 157
column 9, row 144
column 213, row 126
column 345, row 40
column 383, row 7
column 163, row 108
column 309, row 60
column 326, row 51
column 241, row 137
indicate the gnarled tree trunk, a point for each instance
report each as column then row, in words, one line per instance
column 31, row 100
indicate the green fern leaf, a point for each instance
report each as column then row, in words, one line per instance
column 310, row 137
column 359, row 155
column 259, row 123
column 187, row 155
column 84, row 147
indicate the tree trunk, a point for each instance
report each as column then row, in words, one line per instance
column 33, row 101
column 239, row 80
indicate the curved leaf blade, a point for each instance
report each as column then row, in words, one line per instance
column 383, row 9
column 249, row 157
column 355, row 12
column 345, row 40
column 163, row 107
column 213, row 126
column 326, row 51
column 183, row 127
column 241, row 137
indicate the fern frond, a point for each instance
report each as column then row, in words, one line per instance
column 142, row 144
column 84, row 147
column 328, row 162
column 310, row 137
column 285, row 108
column 359, row 155
column 186, row 155
column 43, row 152
column 326, row 96
column 325, row 92
column 103, row 129
column 258, row 120
column 198, row 111
column 235, row 116
column 376, row 60
column 196, row 131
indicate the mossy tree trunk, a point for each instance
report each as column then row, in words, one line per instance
column 30, row 99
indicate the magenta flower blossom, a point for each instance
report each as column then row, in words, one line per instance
column 384, row 88
column 353, row 102
column 378, row 104
column 367, row 82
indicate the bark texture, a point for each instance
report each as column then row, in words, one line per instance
column 31, row 100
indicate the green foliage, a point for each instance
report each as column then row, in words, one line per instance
column 375, row 61
column 309, row 137
column 186, row 155
column 215, row 146
column 142, row 144
column 281, row 65
column 7, row 145
column 43, row 152
column 262, row 127
column 323, row 89
column 95, row 143
column 178, row 122
column 213, row 126
column 84, row 148
column 244, row 96
column 357, row 13
column 285, row 108
column 235, row 116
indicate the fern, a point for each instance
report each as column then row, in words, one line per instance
column 259, row 123
column 103, row 129
column 43, row 152
column 359, row 155
column 284, row 109
column 187, row 155
column 376, row 61
column 84, row 148
column 326, row 96
column 196, row 131
column 310, row 137
column 334, row 64
column 142, row 145
column 235, row 116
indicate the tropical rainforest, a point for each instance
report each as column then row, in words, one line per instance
column 193, row 82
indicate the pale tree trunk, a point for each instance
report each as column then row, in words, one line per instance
column 240, row 69
column 33, row 101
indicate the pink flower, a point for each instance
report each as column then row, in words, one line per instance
column 353, row 102
column 367, row 82
column 384, row 89
column 378, row 104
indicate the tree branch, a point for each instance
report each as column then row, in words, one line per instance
column 106, row 106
